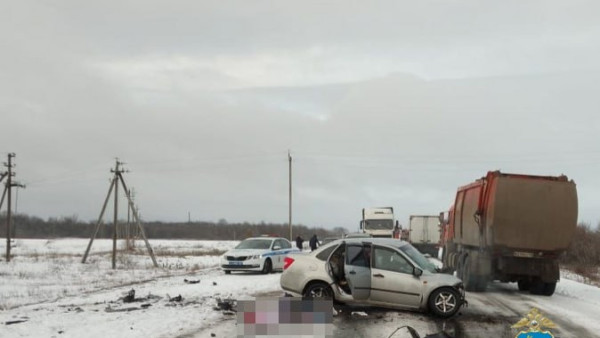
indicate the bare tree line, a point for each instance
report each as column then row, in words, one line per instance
column 25, row 226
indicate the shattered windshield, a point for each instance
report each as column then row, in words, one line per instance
column 418, row 258
column 379, row 224
column 255, row 244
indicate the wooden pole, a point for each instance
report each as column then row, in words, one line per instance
column 3, row 196
column 290, row 193
column 87, row 251
column 9, row 206
column 139, row 223
column 128, row 226
column 115, row 220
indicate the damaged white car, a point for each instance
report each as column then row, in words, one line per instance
column 380, row 272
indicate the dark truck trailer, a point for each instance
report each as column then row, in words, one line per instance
column 510, row 228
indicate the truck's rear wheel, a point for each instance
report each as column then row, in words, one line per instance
column 549, row 289
column 472, row 282
column 538, row 287
column 523, row 284
column 460, row 267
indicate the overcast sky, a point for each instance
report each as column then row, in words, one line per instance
column 381, row 103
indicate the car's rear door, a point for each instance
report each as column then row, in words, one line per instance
column 357, row 270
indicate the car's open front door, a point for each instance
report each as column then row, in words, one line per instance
column 357, row 270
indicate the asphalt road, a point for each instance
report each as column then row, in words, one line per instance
column 489, row 314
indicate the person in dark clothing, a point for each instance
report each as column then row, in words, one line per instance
column 313, row 242
column 299, row 241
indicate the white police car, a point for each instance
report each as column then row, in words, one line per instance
column 263, row 254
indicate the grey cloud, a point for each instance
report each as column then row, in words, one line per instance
column 171, row 89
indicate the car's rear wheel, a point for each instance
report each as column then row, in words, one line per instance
column 268, row 266
column 318, row 290
column 444, row 302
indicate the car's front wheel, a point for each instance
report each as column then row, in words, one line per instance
column 444, row 302
column 268, row 266
column 318, row 290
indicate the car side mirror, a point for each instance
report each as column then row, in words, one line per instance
column 417, row 272
column 427, row 255
column 276, row 247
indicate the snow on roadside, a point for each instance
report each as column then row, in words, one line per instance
column 575, row 286
column 47, row 270
column 87, row 315
column 71, row 299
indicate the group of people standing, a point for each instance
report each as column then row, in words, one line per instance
column 313, row 242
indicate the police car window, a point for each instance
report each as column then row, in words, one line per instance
column 356, row 256
column 285, row 244
column 254, row 243
column 278, row 243
column 391, row 260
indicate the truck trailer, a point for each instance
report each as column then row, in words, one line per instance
column 510, row 228
column 424, row 233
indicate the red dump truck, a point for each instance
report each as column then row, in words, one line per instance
column 510, row 228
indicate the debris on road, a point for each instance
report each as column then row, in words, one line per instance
column 175, row 299
column 415, row 334
column 191, row 281
column 11, row 322
column 130, row 297
column 226, row 305
column 126, row 309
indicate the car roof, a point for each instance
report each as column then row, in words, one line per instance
column 264, row 237
column 357, row 235
column 394, row 242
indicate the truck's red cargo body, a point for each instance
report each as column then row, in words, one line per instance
column 510, row 227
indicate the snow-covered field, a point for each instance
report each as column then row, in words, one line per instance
column 47, row 270
column 45, row 291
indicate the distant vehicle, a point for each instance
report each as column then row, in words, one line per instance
column 424, row 233
column 382, row 272
column 264, row 254
column 379, row 222
column 358, row 235
column 511, row 228
column 328, row 240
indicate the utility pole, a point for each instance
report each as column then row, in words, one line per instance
column 118, row 177
column 133, row 232
column 128, row 226
column 117, row 172
column 8, row 193
column 290, row 193
column 9, row 206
